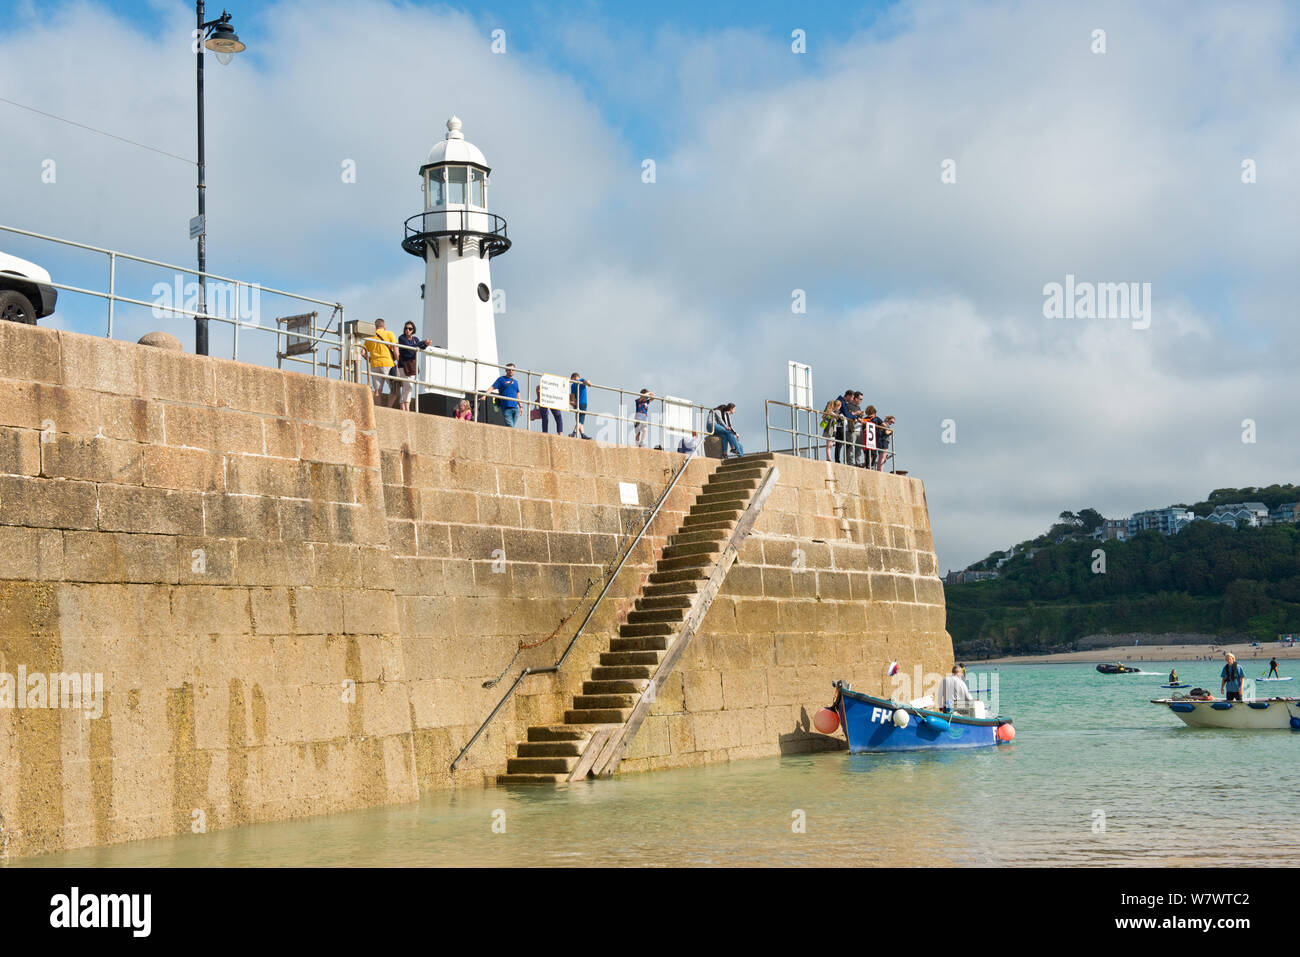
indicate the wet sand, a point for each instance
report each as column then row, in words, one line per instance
column 1158, row 652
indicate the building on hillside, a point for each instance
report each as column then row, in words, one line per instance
column 1111, row 529
column 1285, row 514
column 1240, row 515
column 966, row 575
column 1166, row 521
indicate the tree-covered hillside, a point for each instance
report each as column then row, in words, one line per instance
column 1207, row 579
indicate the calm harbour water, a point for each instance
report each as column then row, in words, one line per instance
column 1086, row 743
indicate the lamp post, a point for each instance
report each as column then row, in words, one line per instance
column 219, row 37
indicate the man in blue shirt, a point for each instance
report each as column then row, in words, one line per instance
column 1233, row 675
column 578, row 402
column 507, row 386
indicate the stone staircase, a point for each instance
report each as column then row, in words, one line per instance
column 620, row 691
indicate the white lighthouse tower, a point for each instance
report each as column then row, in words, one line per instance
column 457, row 237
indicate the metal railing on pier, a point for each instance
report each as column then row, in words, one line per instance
column 818, row 434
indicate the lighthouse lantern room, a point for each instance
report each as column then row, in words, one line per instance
column 457, row 238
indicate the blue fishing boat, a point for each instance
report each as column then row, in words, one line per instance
column 879, row 724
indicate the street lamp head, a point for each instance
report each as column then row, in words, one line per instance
column 223, row 41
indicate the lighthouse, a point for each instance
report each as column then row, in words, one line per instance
column 457, row 238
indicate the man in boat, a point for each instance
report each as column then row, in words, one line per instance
column 1272, row 669
column 1232, row 676
column 953, row 692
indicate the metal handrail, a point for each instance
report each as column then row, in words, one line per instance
column 178, row 310
column 609, row 582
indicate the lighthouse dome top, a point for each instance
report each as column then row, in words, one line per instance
column 454, row 148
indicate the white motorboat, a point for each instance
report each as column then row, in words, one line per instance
column 1256, row 713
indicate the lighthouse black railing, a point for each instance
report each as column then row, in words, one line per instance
column 456, row 224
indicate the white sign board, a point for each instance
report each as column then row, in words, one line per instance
column 801, row 389
column 677, row 416
column 555, row 392
column 868, row 435
column 197, row 227
column 627, row 493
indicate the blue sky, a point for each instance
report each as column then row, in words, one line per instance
column 776, row 171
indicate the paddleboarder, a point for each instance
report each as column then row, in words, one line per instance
column 1272, row 669
column 1173, row 676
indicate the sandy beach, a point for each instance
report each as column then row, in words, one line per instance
column 1157, row 652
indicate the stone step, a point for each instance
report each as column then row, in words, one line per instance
column 559, row 732
column 729, row 484
column 753, row 458
column 704, row 536
column 604, row 702
column 700, row 509
column 625, row 659
column 622, row 672
column 699, row 522
column 649, row 630
column 645, row 616
column 532, row 778
column 739, row 498
column 641, row 643
column 678, row 575
column 683, row 549
column 541, row 765
column 604, row 686
column 602, row 715
column 551, row 749
column 743, row 474
column 687, row 588
column 680, row 603
column 686, row 561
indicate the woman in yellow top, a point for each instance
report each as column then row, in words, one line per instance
column 383, row 361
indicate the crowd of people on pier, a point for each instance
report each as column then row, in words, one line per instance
column 854, row 435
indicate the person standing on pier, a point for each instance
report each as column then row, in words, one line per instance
column 507, row 386
column 578, row 402
column 642, row 416
column 383, row 362
column 406, row 361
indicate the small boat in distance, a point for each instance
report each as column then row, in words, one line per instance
column 1117, row 669
column 1259, row 713
column 1179, row 685
column 879, row 724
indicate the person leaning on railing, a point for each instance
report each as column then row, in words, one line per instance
column 832, row 423
column 406, row 361
column 883, row 433
column 383, row 361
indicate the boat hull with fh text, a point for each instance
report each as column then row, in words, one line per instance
column 870, row 726
column 1257, row 714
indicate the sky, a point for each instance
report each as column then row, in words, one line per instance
column 921, row 171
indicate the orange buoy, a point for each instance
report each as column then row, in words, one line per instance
column 826, row 721
column 1006, row 733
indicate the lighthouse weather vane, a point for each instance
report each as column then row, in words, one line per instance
column 457, row 237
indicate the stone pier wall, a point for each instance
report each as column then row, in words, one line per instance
column 293, row 599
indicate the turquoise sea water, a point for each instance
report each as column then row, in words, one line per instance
column 1096, row 776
